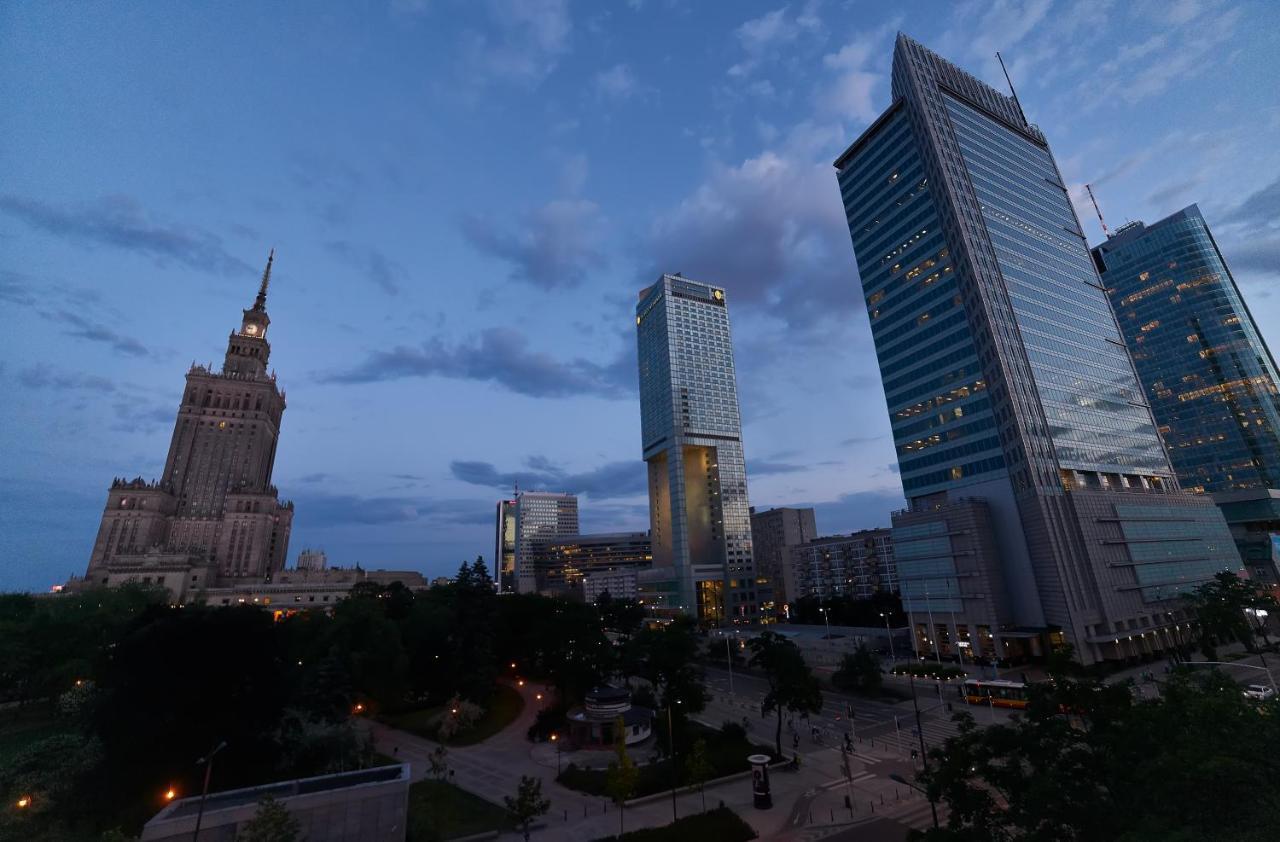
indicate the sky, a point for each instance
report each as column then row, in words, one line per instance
column 465, row 197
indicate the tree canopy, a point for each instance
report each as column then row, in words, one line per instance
column 792, row 685
column 1089, row 761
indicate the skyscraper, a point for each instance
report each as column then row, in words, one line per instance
column 213, row 514
column 1211, row 381
column 1009, row 387
column 504, row 547
column 691, row 436
column 539, row 516
column 773, row 533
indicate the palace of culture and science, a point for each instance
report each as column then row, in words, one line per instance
column 213, row 518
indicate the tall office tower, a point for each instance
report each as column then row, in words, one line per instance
column 214, row 512
column 692, row 438
column 540, row 515
column 504, row 547
column 1007, row 382
column 773, row 533
column 1209, row 377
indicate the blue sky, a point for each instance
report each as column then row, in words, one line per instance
column 465, row 198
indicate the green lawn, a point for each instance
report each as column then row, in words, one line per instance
column 727, row 752
column 503, row 708
column 20, row 727
column 721, row 825
column 439, row 810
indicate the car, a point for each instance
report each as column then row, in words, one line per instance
column 1259, row 692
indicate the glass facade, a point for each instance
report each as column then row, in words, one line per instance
column 942, row 421
column 1007, row 381
column 1209, row 377
column 1082, row 372
column 692, row 438
column 540, row 515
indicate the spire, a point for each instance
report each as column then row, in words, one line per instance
column 261, row 302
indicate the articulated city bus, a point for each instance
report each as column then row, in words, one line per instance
column 1003, row 694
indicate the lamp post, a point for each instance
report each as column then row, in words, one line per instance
column 671, row 750
column 728, row 656
column 207, row 761
column 555, row 738
column 827, row 621
column 924, row 757
column 889, row 634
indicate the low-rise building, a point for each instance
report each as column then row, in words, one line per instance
column 855, row 566
column 369, row 805
column 562, row 563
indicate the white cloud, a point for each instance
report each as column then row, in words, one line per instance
column 526, row 40
column 764, row 37
column 618, row 82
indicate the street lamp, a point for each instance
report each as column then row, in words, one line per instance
column 671, row 750
column 555, row 738
column 207, row 762
column 24, row 802
column 170, row 794
column 827, row 621
column 892, row 657
column 924, row 757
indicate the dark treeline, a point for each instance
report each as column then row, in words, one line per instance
column 124, row 692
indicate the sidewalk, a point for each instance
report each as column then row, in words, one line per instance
column 808, row 799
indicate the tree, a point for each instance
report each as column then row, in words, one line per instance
column 859, row 670
column 480, row 577
column 271, row 823
column 665, row 657
column 528, row 803
column 698, row 768
column 792, row 685
column 1220, row 608
column 1115, row 768
column 439, row 760
column 621, row 777
column 460, row 716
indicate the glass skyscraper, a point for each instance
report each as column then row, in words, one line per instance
column 1009, row 387
column 1209, row 377
column 691, row 432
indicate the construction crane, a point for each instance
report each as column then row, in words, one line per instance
column 1098, row 211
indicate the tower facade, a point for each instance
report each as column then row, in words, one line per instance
column 214, row 508
column 539, row 516
column 1007, row 380
column 774, row 532
column 1209, row 376
column 504, row 547
column 691, row 434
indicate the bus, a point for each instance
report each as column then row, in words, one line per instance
column 1003, row 694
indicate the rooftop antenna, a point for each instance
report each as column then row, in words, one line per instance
column 1011, row 90
column 1098, row 211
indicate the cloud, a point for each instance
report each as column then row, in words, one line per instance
column 14, row 291
column 618, row 82
column 83, row 328
column 327, row 510
column 771, row 231
column 764, row 37
column 385, row 273
column 858, row 510
column 43, row 376
column 524, row 43
column 311, row 479
column 1166, row 195
column 119, row 221
column 762, row 467
column 1261, row 208
column 501, row 356
column 612, row 480
column 555, row 246
column 859, row 69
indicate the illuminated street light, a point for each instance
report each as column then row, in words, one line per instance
column 170, row 794
column 359, row 708
column 24, row 802
column 538, row 697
